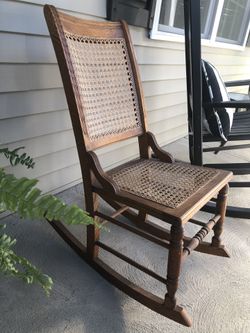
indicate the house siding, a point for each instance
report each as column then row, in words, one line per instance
column 34, row 111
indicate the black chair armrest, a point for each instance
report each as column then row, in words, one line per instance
column 232, row 104
column 237, row 83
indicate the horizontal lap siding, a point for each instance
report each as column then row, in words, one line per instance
column 34, row 111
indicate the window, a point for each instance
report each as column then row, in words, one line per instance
column 234, row 21
column 222, row 21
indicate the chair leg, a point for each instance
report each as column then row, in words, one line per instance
column 220, row 209
column 92, row 203
column 174, row 264
column 172, row 310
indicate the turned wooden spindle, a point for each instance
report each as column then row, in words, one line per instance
column 220, row 209
column 174, row 264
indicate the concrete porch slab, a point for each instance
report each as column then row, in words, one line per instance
column 214, row 290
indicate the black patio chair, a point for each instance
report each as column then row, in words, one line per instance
column 209, row 103
column 226, row 116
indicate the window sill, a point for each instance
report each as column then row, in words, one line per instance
column 165, row 36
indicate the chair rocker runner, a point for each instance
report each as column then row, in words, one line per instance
column 104, row 94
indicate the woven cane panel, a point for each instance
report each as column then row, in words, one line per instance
column 106, row 85
column 167, row 184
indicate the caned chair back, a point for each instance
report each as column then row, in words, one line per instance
column 100, row 77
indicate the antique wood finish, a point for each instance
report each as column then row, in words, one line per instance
column 221, row 209
column 160, row 187
column 197, row 239
column 92, row 232
column 132, row 262
column 174, row 264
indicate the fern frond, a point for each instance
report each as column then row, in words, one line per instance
column 22, row 197
column 14, row 157
column 13, row 265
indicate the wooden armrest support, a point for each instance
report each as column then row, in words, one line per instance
column 100, row 175
column 160, row 153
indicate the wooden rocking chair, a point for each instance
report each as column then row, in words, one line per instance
column 105, row 99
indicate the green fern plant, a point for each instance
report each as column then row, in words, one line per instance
column 19, row 195
column 15, row 158
column 13, row 265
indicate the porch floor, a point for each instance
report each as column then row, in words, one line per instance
column 214, row 290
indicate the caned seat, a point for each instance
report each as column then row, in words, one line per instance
column 161, row 182
column 106, row 105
